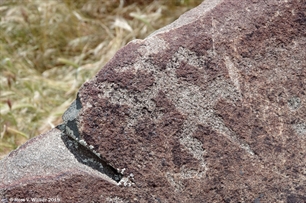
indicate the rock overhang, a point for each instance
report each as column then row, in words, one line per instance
column 211, row 107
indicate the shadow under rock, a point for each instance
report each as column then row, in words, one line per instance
column 85, row 156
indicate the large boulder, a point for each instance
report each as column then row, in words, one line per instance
column 208, row 109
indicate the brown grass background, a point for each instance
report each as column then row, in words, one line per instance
column 49, row 48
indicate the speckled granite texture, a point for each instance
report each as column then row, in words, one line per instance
column 211, row 108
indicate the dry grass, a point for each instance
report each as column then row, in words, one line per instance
column 45, row 44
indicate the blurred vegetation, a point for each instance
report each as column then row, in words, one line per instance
column 49, row 48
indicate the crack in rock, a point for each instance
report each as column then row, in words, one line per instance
column 83, row 152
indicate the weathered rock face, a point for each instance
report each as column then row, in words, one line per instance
column 208, row 109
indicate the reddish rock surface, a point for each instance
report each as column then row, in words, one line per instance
column 208, row 109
